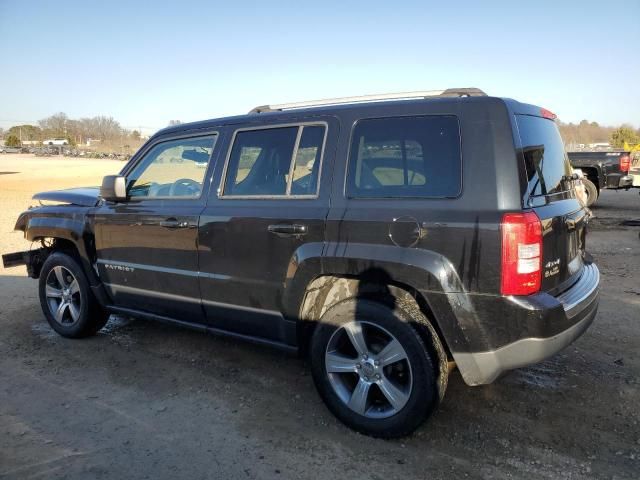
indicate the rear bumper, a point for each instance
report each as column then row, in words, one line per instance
column 579, row 308
column 618, row 180
column 626, row 181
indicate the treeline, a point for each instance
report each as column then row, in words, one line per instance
column 586, row 132
column 100, row 129
column 109, row 132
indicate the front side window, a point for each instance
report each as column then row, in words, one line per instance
column 281, row 161
column 173, row 169
column 405, row 157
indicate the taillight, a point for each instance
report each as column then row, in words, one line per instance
column 548, row 114
column 521, row 253
column 625, row 163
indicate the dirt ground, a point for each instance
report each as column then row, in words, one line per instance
column 145, row 400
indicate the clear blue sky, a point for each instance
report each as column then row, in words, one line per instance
column 145, row 63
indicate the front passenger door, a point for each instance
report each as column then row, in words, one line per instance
column 147, row 246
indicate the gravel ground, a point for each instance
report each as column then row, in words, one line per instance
column 145, row 400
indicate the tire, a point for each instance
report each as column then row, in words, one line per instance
column 62, row 281
column 385, row 395
column 592, row 191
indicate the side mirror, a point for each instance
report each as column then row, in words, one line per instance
column 114, row 188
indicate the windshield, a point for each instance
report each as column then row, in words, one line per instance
column 544, row 156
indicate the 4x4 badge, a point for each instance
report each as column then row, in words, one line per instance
column 552, row 268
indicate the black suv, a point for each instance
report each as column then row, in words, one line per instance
column 386, row 237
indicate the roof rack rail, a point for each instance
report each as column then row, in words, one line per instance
column 449, row 92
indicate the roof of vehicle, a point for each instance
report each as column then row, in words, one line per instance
column 336, row 108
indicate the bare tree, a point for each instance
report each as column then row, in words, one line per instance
column 55, row 125
column 584, row 132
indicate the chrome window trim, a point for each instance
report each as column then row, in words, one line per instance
column 292, row 162
column 300, row 125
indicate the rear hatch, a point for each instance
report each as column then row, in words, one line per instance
column 550, row 193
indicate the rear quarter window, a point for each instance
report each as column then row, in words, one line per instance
column 405, row 157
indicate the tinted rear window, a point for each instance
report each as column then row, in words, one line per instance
column 405, row 157
column 544, row 156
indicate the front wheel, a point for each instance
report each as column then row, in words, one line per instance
column 67, row 300
column 372, row 369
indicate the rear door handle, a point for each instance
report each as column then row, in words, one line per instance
column 174, row 223
column 287, row 229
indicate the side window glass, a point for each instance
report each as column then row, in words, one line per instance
column 260, row 160
column 405, row 157
column 392, row 172
column 173, row 169
column 277, row 161
column 248, row 157
column 306, row 170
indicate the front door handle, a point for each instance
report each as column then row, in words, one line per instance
column 288, row 229
column 174, row 223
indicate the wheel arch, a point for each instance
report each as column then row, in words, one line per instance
column 316, row 281
column 593, row 174
column 327, row 290
column 69, row 234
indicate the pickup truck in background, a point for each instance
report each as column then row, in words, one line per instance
column 605, row 169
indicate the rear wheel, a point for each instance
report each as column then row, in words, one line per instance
column 592, row 191
column 66, row 298
column 372, row 369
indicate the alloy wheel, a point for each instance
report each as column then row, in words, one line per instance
column 368, row 369
column 63, row 296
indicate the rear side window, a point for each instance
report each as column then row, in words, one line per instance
column 281, row 161
column 405, row 157
column 545, row 160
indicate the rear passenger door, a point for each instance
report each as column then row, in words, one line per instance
column 403, row 176
column 266, row 217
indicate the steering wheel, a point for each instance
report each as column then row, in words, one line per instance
column 186, row 183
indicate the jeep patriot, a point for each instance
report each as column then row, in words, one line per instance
column 385, row 237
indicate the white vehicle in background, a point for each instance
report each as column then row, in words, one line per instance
column 56, row 141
